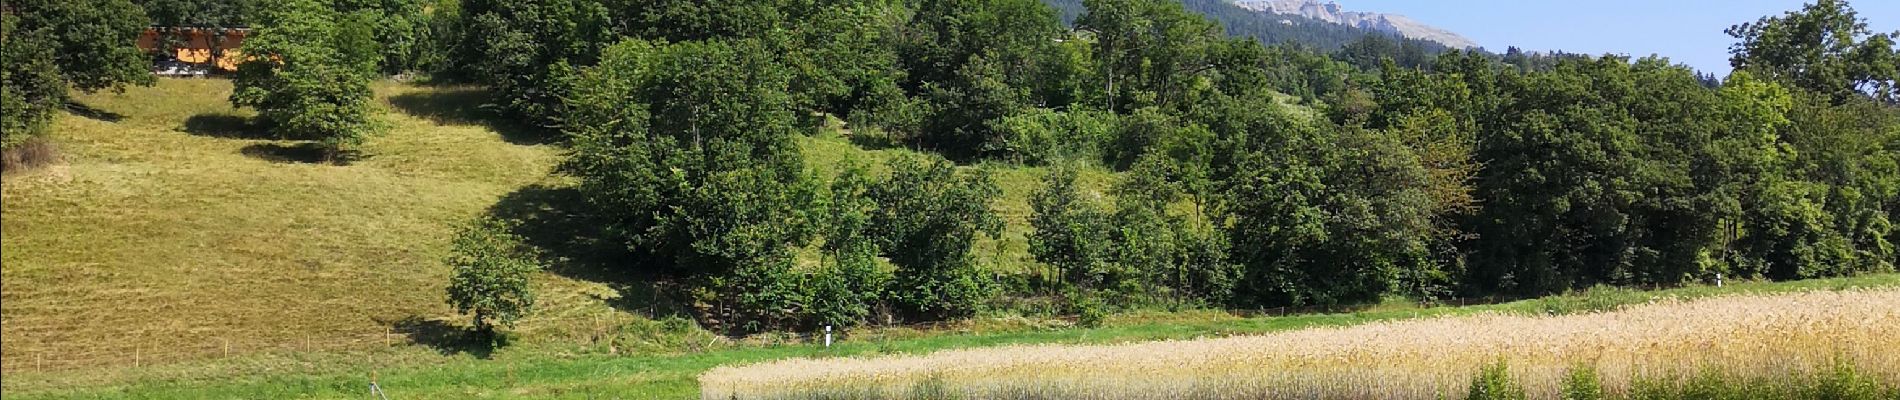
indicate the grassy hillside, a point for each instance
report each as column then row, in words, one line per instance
column 174, row 229
column 827, row 151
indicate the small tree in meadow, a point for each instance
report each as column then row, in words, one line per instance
column 491, row 272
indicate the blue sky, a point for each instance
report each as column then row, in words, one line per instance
column 1685, row 31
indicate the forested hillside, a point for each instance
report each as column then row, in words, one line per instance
column 1399, row 169
column 1455, row 175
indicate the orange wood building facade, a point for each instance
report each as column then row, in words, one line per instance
column 196, row 45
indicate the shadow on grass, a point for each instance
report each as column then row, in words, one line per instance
column 471, row 106
column 448, row 338
column 875, row 139
column 83, row 110
column 577, row 245
column 299, row 153
column 226, row 126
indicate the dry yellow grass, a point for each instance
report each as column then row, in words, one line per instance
column 1743, row 337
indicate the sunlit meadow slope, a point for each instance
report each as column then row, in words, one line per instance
column 176, row 230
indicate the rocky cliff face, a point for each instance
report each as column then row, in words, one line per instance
column 1331, row 12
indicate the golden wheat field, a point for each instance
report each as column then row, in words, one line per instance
column 1746, row 337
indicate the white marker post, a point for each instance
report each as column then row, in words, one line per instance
column 827, row 336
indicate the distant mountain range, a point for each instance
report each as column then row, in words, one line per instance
column 1311, row 23
column 1331, row 12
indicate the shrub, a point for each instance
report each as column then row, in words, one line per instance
column 1088, row 308
column 32, row 153
column 766, row 294
column 1043, row 136
column 844, row 293
column 1581, row 384
column 1494, row 383
column 1843, row 382
column 888, row 109
column 1138, row 133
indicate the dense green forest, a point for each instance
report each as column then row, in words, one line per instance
column 1430, row 172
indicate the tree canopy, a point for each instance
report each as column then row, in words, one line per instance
column 307, row 71
column 1824, row 47
column 51, row 45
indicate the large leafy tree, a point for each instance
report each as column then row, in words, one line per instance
column 399, row 31
column 843, row 55
column 1825, row 47
column 840, row 51
column 928, row 221
column 523, row 50
column 308, row 72
column 51, row 45
column 1326, row 219
column 976, row 62
column 30, row 85
column 1148, row 52
column 1558, row 180
column 93, row 41
column 945, row 35
column 1816, row 208
column 687, row 149
column 1844, row 172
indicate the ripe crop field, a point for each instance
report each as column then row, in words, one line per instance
column 671, row 369
column 1749, row 338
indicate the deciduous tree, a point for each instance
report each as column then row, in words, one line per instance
column 928, row 221
column 50, row 45
column 491, row 275
column 1824, row 47
column 307, row 72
